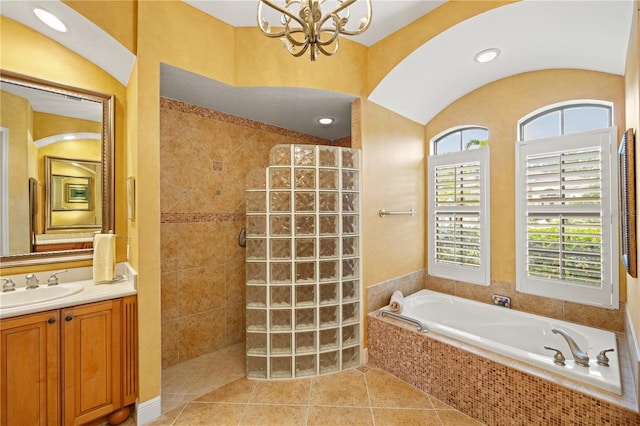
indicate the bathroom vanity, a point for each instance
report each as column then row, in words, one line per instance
column 70, row 361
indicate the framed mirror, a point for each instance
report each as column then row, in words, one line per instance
column 56, row 170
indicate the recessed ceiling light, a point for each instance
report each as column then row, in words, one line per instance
column 325, row 120
column 487, row 55
column 50, row 20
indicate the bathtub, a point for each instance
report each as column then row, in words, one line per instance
column 518, row 335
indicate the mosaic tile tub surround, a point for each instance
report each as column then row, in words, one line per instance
column 303, row 263
column 492, row 392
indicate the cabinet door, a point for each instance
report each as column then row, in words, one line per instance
column 91, row 361
column 29, row 353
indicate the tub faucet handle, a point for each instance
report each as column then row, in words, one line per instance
column 558, row 358
column 602, row 358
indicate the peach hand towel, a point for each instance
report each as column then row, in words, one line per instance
column 104, row 258
column 395, row 303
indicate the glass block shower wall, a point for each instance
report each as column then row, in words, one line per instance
column 303, row 263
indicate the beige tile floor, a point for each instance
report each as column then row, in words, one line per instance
column 212, row 390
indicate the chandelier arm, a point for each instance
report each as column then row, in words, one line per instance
column 334, row 13
column 281, row 10
column 327, row 52
column 363, row 29
column 335, row 32
column 301, row 52
column 293, row 41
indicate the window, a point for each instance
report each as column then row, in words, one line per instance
column 566, row 226
column 460, row 139
column 566, row 118
column 458, row 216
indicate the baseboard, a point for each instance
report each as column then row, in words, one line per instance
column 148, row 411
column 634, row 352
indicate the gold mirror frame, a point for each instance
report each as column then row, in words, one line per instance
column 108, row 168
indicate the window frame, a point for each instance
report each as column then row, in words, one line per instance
column 482, row 274
column 562, row 106
column 607, row 295
column 450, row 131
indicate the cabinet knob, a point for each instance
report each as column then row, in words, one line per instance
column 68, row 318
column 51, row 321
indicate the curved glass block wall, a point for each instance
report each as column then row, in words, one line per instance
column 303, row 262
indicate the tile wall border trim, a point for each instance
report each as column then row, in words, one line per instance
column 201, row 217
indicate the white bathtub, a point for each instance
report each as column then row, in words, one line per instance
column 518, row 335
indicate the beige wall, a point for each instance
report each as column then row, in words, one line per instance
column 45, row 125
column 393, row 179
column 17, row 117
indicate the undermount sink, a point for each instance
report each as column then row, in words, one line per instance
column 22, row 296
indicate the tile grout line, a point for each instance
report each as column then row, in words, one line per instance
column 366, row 385
column 179, row 414
column 246, row 407
column 306, row 420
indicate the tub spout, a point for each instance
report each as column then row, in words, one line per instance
column 579, row 356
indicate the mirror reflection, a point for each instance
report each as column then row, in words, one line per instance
column 56, row 168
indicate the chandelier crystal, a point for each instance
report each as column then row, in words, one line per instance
column 308, row 29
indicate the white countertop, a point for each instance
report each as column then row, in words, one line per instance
column 91, row 292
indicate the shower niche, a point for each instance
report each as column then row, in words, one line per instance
column 303, row 262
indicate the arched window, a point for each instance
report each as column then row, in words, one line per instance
column 460, row 139
column 565, row 118
column 458, row 219
column 566, row 199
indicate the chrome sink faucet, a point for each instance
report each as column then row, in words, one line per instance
column 32, row 281
column 8, row 285
column 579, row 356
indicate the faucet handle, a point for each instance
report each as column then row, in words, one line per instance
column 8, row 285
column 602, row 358
column 558, row 358
column 32, row 281
column 53, row 279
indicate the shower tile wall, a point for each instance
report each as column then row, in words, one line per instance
column 204, row 158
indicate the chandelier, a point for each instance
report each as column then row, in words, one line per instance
column 310, row 29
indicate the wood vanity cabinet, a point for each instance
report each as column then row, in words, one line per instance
column 70, row 366
column 29, row 353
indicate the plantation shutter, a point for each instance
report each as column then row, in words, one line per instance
column 566, row 222
column 565, row 244
column 458, row 225
column 457, row 216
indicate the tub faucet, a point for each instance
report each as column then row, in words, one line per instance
column 580, row 357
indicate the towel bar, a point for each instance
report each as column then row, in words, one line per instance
column 384, row 213
column 421, row 327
